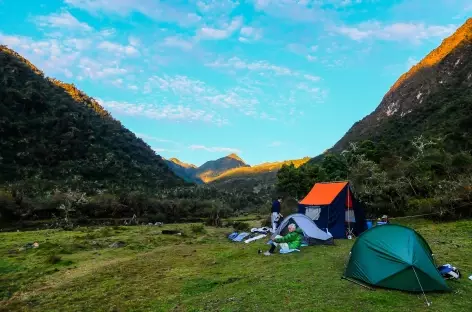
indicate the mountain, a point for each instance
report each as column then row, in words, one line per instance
column 183, row 170
column 255, row 179
column 432, row 99
column 214, row 168
column 55, row 136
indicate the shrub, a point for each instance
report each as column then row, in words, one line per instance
column 198, row 228
column 53, row 259
column 241, row 226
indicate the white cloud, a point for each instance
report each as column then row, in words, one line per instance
column 78, row 44
column 259, row 66
column 160, row 150
column 250, row 34
column 312, row 78
column 177, row 84
column 215, row 149
column 275, row 144
column 395, row 32
column 98, row 70
column 237, row 63
column 49, row 55
column 177, row 113
column 152, row 138
column 175, row 41
column 307, row 11
column 133, row 87
column 62, row 20
column 156, row 10
column 133, row 41
column 220, row 33
column 218, row 6
column 311, row 58
column 118, row 49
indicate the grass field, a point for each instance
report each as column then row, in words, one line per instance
column 79, row 271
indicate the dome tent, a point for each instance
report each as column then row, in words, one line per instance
column 313, row 235
column 396, row 257
column 333, row 206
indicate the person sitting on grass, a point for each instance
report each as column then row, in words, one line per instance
column 292, row 240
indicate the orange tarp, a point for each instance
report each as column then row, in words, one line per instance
column 323, row 193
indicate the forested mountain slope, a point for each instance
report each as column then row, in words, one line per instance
column 52, row 135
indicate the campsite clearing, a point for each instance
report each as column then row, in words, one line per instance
column 137, row 268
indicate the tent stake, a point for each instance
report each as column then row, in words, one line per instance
column 356, row 282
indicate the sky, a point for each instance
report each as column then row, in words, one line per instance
column 269, row 80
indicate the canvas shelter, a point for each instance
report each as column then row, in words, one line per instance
column 333, row 207
column 396, row 257
column 313, row 235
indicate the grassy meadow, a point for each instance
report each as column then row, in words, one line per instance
column 201, row 270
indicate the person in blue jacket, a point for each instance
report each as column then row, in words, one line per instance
column 275, row 213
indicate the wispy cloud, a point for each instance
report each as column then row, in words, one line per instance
column 227, row 30
column 97, row 70
column 302, row 11
column 118, row 49
column 235, row 63
column 409, row 32
column 152, row 138
column 160, row 150
column 177, row 84
column 178, row 42
column 62, row 20
column 215, row 149
column 178, row 113
column 275, row 144
column 248, row 34
column 157, row 10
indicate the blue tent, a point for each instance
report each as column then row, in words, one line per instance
column 333, row 207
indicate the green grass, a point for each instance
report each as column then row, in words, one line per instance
column 78, row 271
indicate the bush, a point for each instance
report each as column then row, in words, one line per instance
column 198, row 228
column 241, row 226
column 53, row 259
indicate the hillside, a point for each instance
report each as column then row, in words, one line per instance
column 412, row 155
column 253, row 179
column 214, row 168
column 183, row 170
column 206, row 172
column 53, row 136
column 432, row 98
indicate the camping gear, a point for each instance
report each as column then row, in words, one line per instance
column 232, row 235
column 286, row 251
column 255, row 238
column 262, row 230
column 369, row 224
column 396, row 257
column 240, row 237
column 312, row 234
column 332, row 206
column 449, row 272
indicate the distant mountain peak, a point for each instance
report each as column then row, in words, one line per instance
column 235, row 156
column 181, row 163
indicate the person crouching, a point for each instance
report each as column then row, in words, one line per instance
column 292, row 240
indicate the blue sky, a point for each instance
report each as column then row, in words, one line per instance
column 199, row 79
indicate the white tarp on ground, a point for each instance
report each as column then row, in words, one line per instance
column 307, row 225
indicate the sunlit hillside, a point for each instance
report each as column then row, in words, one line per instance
column 258, row 169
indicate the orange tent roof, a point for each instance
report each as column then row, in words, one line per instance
column 323, row 193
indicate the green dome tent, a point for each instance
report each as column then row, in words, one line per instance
column 396, row 257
